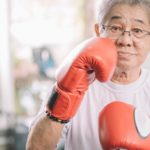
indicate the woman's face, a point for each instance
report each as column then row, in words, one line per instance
column 132, row 50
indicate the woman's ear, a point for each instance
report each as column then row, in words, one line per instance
column 97, row 29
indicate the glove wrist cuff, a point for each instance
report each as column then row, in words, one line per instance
column 55, row 119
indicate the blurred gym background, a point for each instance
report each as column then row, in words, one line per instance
column 35, row 36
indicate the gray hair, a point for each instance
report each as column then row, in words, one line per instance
column 107, row 5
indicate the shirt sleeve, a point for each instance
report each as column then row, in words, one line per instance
column 62, row 140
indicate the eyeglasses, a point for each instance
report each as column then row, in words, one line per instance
column 116, row 31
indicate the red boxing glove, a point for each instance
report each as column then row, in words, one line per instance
column 96, row 55
column 123, row 126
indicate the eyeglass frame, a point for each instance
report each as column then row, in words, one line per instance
column 123, row 31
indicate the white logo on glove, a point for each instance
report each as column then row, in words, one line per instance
column 142, row 122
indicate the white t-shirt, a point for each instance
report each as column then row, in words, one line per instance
column 81, row 133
